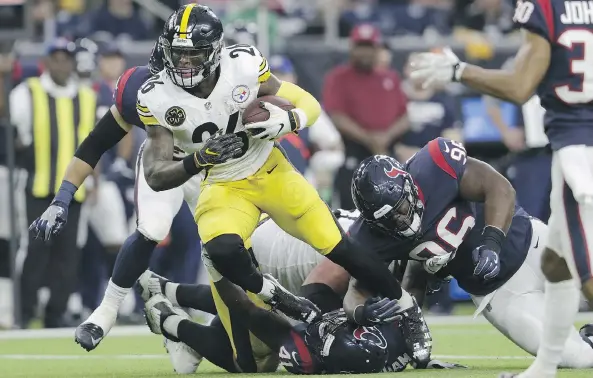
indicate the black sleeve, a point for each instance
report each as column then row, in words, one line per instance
column 323, row 296
column 106, row 134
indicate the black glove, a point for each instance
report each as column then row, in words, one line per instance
column 219, row 149
column 487, row 263
column 436, row 364
column 377, row 311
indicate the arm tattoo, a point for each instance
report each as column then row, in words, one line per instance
column 160, row 171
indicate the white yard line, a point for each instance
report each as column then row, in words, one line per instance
column 124, row 331
column 164, row 356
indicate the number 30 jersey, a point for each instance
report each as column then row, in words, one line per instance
column 450, row 224
column 193, row 120
column 566, row 90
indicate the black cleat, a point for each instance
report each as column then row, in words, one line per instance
column 88, row 335
column 417, row 336
column 586, row 333
column 295, row 307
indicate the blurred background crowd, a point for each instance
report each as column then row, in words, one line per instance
column 351, row 54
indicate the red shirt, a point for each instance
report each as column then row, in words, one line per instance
column 374, row 100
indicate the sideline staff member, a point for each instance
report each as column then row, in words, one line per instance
column 52, row 113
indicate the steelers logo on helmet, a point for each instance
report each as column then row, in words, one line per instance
column 175, row 116
column 192, row 43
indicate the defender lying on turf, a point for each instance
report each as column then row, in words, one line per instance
column 331, row 345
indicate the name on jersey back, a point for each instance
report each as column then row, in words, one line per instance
column 577, row 13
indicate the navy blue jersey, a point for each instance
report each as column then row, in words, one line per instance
column 450, row 224
column 126, row 93
column 566, row 91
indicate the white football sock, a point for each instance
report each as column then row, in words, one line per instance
column 171, row 324
column 560, row 308
column 113, row 298
column 171, row 292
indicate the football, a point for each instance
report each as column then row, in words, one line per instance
column 254, row 113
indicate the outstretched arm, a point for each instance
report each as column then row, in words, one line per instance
column 518, row 83
column 160, row 171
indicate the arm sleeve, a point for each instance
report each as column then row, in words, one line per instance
column 105, row 135
column 20, row 113
column 333, row 97
column 536, row 16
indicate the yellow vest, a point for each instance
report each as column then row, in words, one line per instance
column 60, row 124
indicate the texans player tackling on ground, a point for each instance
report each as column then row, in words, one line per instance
column 457, row 216
column 292, row 262
column 555, row 62
column 198, row 98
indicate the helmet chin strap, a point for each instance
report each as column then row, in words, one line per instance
column 413, row 228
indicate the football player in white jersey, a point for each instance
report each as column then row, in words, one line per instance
column 197, row 100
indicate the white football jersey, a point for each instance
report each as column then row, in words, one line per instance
column 193, row 120
column 285, row 257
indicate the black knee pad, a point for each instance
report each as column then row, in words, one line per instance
column 231, row 259
column 225, row 246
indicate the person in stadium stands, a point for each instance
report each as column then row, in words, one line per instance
column 194, row 107
column 549, row 64
column 453, row 215
column 52, row 114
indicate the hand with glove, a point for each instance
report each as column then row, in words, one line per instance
column 487, row 263
column 54, row 218
column 218, row 149
column 436, row 69
column 281, row 122
column 377, row 311
column 485, row 257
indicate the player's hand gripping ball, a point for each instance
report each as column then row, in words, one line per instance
column 269, row 118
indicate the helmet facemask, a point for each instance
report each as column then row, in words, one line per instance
column 189, row 65
column 404, row 218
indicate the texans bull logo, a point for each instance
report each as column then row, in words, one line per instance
column 372, row 335
column 394, row 172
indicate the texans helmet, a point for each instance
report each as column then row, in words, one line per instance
column 343, row 347
column 192, row 42
column 387, row 197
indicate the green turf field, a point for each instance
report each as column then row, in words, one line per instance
column 479, row 346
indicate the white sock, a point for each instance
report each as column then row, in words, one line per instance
column 171, row 324
column 114, row 296
column 560, row 308
column 267, row 290
column 171, row 292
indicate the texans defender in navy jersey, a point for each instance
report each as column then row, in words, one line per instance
column 554, row 62
column 456, row 216
column 155, row 211
column 331, row 345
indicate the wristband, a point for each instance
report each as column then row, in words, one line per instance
column 493, row 238
column 190, row 166
column 458, row 71
column 302, row 117
column 65, row 193
column 358, row 314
